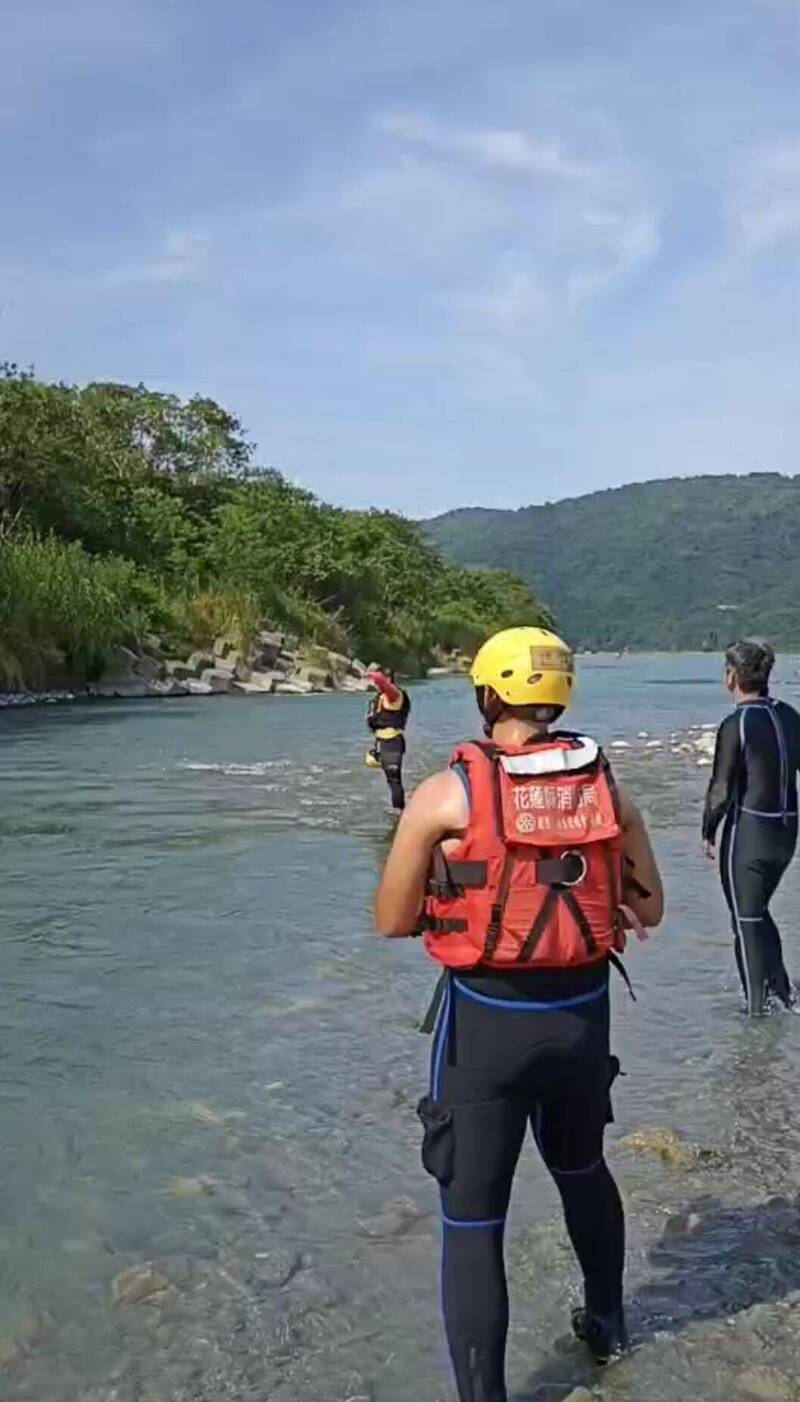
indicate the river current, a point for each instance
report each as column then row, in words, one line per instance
column 209, row 1165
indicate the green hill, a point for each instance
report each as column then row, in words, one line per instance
column 683, row 563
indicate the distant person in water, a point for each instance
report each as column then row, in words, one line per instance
column 387, row 719
column 753, row 789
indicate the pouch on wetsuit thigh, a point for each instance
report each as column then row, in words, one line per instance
column 438, row 1143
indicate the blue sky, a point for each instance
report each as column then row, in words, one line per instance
column 432, row 252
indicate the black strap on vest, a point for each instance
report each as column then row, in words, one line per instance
column 429, row 1021
column 538, row 927
column 623, row 973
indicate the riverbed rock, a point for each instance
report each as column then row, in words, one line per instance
column 267, row 647
column 295, row 687
column 661, row 1143
column 190, row 1189
column 170, row 686
column 619, row 745
column 199, row 662
column 149, row 669
column 216, row 679
column 197, row 688
column 682, row 1224
column 273, row 1269
column 260, row 684
column 764, row 1384
column 140, row 1283
column 181, row 671
column 581, row 1394
column 317, row 679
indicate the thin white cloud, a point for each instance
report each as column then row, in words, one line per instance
column 182, row 257
column 627, row 240
column 528, row 250
column 500, row 149
column 765, row 202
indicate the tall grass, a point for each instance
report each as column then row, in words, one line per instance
column 60, row 609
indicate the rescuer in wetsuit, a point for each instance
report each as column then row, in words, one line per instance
column 526, row 1044
column 753, row 788
column 387, row 719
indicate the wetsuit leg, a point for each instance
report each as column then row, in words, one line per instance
column 569, row 1130
column 390, row 753
column 487, row 1128
column 493, row 1070
column 754, row 855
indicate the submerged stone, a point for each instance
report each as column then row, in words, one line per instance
column 140, row 1283
column 766, row 1385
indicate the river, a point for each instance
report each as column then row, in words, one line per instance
column 210, row 1067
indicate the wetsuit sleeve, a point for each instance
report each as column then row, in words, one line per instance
column 723, row 778
column 385, row 687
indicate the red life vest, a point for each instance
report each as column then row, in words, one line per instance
column 537, row 879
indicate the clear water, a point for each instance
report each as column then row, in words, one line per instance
column 208, row 1064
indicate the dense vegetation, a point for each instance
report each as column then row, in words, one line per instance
column 684, row 563
column 127, row 515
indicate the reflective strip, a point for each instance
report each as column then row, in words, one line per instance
column 488, row 1222
column 573, row 1172
column 731, row 881
column 441, row 1038
column 552, row 761
column 759, row 813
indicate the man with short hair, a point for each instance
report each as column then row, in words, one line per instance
column 753, row 788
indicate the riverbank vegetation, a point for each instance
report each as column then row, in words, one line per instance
column 128, row 515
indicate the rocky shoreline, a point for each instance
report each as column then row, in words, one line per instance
column 275, row 665
column 697, row 743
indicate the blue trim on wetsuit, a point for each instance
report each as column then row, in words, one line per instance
column 514, row 1005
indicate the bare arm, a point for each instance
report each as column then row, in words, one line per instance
column 437, row 808
column 644, row 892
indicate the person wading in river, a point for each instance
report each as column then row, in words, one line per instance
column 753, row 788
column 523, row 864
column 387, row 719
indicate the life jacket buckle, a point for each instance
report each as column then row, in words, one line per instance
column 582, row 868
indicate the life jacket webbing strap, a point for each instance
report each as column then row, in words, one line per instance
column 582, row 923
column 430, row 1019
column 444, row 927
column 614, row 885
column 623, row 973
column 538, row 927
column 494, row 928
column 630, row 882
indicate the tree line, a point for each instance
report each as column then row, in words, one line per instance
column 130, row 516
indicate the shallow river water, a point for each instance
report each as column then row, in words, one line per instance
column 208, row 1072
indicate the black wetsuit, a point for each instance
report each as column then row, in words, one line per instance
column 513, row 1050
column 390, row 749
column 754, row 788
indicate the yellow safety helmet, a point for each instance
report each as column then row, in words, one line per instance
column 526, row 667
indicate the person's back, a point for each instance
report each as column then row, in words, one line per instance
column 753, row 788
column 531, row 846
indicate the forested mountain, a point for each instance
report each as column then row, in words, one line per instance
column 682, row 563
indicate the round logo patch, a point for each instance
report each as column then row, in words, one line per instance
column 526, row 823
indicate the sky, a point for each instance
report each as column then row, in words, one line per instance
column 433, row 253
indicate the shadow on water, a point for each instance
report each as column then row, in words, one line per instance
column 714, row 1262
